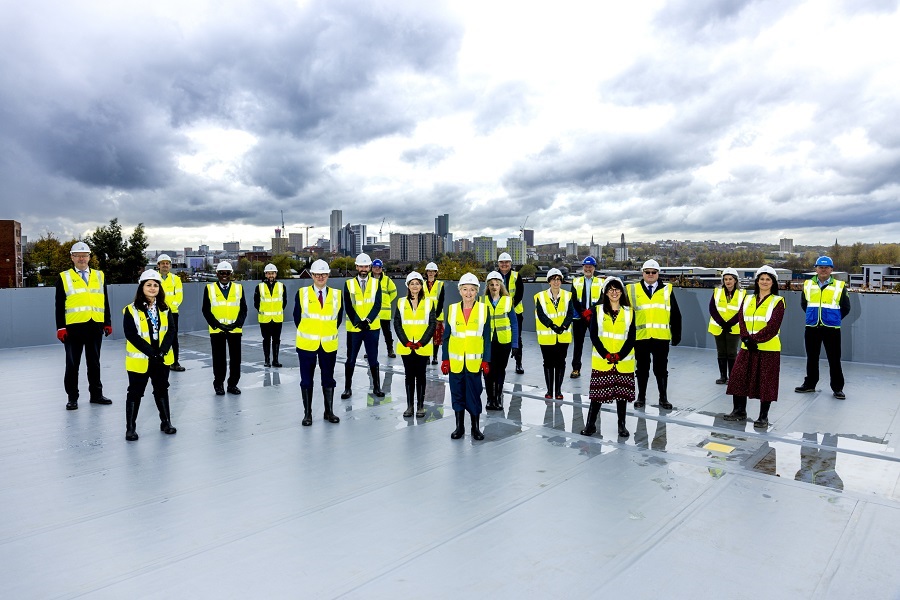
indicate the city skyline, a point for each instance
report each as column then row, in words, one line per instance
column 743, row 120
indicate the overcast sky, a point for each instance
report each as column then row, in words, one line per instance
column 692, row 119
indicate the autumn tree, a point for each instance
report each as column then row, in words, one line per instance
column 120, row 261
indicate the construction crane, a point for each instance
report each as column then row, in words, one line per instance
column 522, row 228
column 381, row 228
column 308, row 244
column 282, row 223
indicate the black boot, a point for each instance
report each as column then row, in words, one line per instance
column 276, row 346
column 730, row 362
column 420, row 397
column 642, row 392
column 410, row 396
column 620, row 413
column 434, row 358
column 460, row 425
column 489, row 392
column 390, row 347
column 306, row 395
column 131, row 412
column 558, row 375
column 661, row 384
column 165, row 416
column 476, row 432
column 267, row 362
column 763, row 421
column 498, row 394
column 548, row 379
column 590, row 427
column 740, row 409
column 518, row 357
column 329, row 405
column 723, row 371
column 376, row 382
column 348, row 381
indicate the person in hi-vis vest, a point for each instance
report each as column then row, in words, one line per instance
column 362, row 305
column 826, row 303
column 585, row 296
column 724, row 305
column 388, row 295
column 414, row 323
column 225, row 311
column 434, row 289
column 82, row 320
column 317, row 316
column 516, row 289
column 172, row 286
column 269, row 299
column 148, row 351
column 552, row 323
column 504, row 337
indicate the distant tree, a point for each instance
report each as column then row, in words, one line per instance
column 527, row 271
column 283, row 262
column 45, row 259
column 344, row 264
column 120, row 261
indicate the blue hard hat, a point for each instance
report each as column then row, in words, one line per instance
column 377, row 263
column 824, row 261
column 590, row 260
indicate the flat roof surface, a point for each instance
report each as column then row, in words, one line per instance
column 244, row 502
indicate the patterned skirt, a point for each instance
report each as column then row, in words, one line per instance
column 609, row 386
column 438, row 334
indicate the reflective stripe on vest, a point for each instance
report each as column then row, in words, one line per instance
column 596, row 289
column 363, row 302
column 499, row 316
column 388, row 293
column 135, row 360
column 823, row 305
column 755, row 321
column 318, row 324
column 465, row 347
column 84, row 301
column 414, row 323
column 171, row 284
column 613, row 336
column 435, row 294
column 511, row 288
column 727, row 308
column 545, row 335
column 271, row 304
column 651, row 318
column 225, row 310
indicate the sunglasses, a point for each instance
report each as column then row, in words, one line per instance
column 652, row 272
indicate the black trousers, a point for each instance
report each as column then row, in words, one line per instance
column 386, row 330
column 579, row 329
column 83, row 338
column 219, row 342
column 830, row 337
column 157, row 374
column 270, row 332
column 414, row 366
column 554, row 355
column 499, row 361
column 173, row 327
column 658, row 350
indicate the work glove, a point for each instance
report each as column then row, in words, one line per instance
column 107, row 330
column 61, row 334
column 752, row 345
column 417, row 345
column 676, row 340
column 365, row 326
column 445, row 367
column 485, row 368
column 587, row 314
column 411, row 345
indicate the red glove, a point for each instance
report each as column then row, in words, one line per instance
column 485, row 368
column 417, row 345
column 107, row 330
column 61, row 334
column 587, row 314
column 608, row 357
column 445, row 367
column 411, row 345
column 616, row 357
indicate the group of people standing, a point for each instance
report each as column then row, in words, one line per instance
column 631, row 327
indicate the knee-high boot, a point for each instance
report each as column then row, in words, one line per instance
column 739, row 413
column 642, row 391
column 723, row 371
column 558, row 373
column 498, row 393
column 662, row 383
column 476, row 432
column 266, row 343
column 548, row 379
column 376, row 382
column 410, row 395
column 620, row 413
column 306, row 395
column 348, row 381
column 763, row 421
column 276, row 346
column 591, row 426
column 489, row 392
column 165, row 416
column 460, row 425
column 329, row 405
column 131, row 411
column 420, row 396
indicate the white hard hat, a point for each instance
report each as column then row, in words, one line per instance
column 270, row 268
column 319, row 267
column 163, row 257
column 149, row 274
column 363, row 260
column 431, row 267
column 553, row 273
column 766, row 269
column 414, row 275
column 494, row 275
column 609, row 280
column 79, row 247
column 504, row 256
column 730, row 271
column 224, row 266
column 468, row 279
column 650, row 264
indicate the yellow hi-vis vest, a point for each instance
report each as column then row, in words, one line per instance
column 727, row 308
column 545, row 335
column 596, row 289
column 499, row 316
column 135, row 360
column 225, row 310
column 511, row 288
column 466, row 344
column 388, row 293
column 435, row 294
column 174, row 290
column 363, row 301
column 414, row 323
column 613, row 336
column 318, row 323
column 271, row 309
column 823, row 305
column 84, row 301
column 757, row 317
column 651, row 317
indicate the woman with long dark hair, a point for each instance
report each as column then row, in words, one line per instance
column 504, row 336
column 414, row 323
column 724, row 305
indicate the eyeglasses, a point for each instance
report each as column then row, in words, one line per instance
column 611, row 290
column 320, row 274
column 652, row 272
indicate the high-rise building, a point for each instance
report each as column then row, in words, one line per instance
column 346, row 240
column 448, row 242
column 485, row 248
column 787, row 245
column 12, row 266
column 203, row 249
column 399, row 246
column 295, row 241
column 463, row 245
column 231, row 246
column 442, row 225
column 337, row 220
column 359, row 238
column 415, row 247
column 572, row 249
column 279, row 244
column 622, row 251
column 516, row 249
column 528, row 234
